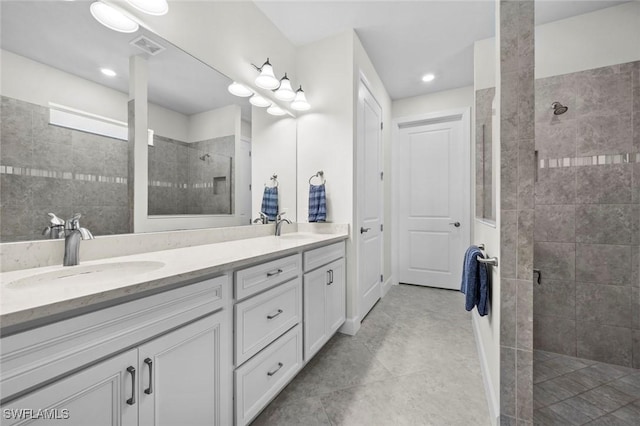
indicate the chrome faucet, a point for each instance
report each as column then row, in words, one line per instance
column 279, row 222
column 55, row 229
column 263, row 219
column 73, row 234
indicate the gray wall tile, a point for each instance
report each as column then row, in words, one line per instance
column 508, row 300
column 606, row 134
column 509, row 175
column 606, row 305
column 525, row 245
column 508, row 244
column 603, row 94
column 524, row 318
column 556, row 260
column 555, row 223
column 605, row 223
column 554, row 334
column 508, row 381
column 555, row 298
column 603, row 264
column 556, row 139
column 524, row 374
column 604, row 343
column 636, row 349
column 556, row 186
column 610, row 184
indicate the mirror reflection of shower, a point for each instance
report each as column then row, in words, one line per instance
column 558, row 108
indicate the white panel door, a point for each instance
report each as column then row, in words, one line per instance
column 101, row 395
column 369, row 201
column 181, row 376
column 432, row 195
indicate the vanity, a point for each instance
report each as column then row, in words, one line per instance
column 206, row 334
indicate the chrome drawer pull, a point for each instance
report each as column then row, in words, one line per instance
column 274, row 315
column 272, row 273
column 271, row 373
column 132, row 400
column 149, row 390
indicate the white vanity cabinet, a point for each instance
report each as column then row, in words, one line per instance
column 182, row 376
column 324, row 296
column 268, row 335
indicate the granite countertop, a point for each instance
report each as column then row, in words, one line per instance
column 28, row 302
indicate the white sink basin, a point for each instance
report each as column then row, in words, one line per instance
column 87, row 274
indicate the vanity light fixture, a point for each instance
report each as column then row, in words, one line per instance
column 300, row 102
column 108, row 72
column 259, row 101
column 239, row 90
column 267, row 79
column 151, row 7
column 276, row 110
column 285, row 92
column 112, row 18
column 428, row 77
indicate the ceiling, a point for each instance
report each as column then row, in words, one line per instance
column 64, row 35
column 407, row 39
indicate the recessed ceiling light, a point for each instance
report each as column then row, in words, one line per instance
column 113, row 18
column 108, row 72
column 152, row 7
column 428, row 77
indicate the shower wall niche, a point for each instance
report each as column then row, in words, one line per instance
column 587, row 215
column 191, row 178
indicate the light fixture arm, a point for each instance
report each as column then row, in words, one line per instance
column 259, row 69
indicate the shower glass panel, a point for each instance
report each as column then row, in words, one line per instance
column 485, row 195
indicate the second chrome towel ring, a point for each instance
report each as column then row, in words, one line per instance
column 319, row 175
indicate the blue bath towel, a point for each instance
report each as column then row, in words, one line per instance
column 317, row 203
column 270, row 202
column 475, row 281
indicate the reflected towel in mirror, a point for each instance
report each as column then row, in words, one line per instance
column 317, row 203
column 270, row 202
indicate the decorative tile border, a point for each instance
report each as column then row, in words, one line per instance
column 592, row 160
column 53, row 174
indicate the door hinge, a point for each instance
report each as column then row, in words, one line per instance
column 249, row 153
column 381, row 278
column 381, row 227
column 381, row 175
column 381, row 125
column 249, row 187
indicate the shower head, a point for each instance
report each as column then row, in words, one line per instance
column 558, row 108
column 204, row 157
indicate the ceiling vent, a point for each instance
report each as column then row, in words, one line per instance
column 147, row 45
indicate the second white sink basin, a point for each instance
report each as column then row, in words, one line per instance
column 87, row 274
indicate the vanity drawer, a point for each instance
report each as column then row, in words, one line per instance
column 321, row 256
column 261, row 378
column 266, row 275
column 263, row 318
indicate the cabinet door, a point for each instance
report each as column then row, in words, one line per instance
column 315, row 289
column 185, row 375
column 99, row 396
column 336, row 298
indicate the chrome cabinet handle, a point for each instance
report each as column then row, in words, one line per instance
column 149, row 390
column 271, row 373
column 272, row 273
column 328, row 277
column 274, row 315
column 456, row 224
column 132, row 371
column 330, row 274
column 363, row 230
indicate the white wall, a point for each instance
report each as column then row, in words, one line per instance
column 273, row 151
column 37, row 83
column 592, row 40
column 214, row 123
column 434, row 102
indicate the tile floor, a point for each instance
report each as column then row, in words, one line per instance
column 575, row 391
column 413, row 362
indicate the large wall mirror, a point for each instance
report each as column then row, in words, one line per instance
column 64, row 128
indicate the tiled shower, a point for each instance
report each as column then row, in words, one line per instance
column 587, row 215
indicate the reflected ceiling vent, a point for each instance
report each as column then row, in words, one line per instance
column 147, row 45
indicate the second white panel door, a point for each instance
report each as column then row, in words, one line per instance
column 432, row 204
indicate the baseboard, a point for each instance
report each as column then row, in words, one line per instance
column 492, row 398
column 386, row 286
column 350, row 326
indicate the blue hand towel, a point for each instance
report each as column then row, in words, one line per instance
column 317, row 203
column 270, row 202
column 475, row 281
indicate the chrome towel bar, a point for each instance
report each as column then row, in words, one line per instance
column 493, row 261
